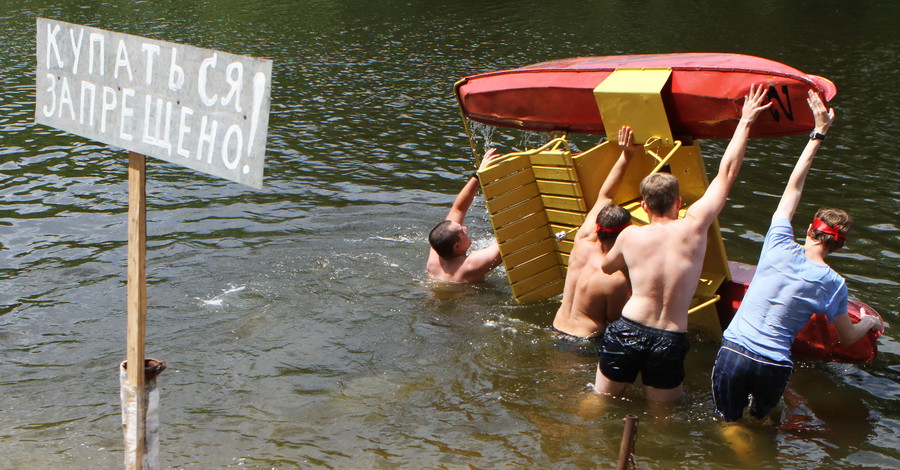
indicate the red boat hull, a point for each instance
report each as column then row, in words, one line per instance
column 818, row 340
column 703, row 98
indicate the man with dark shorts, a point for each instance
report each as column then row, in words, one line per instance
column 591, row 298
column 664, row 259
column 791, row 283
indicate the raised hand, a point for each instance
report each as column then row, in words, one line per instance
column 824, row 115
column 753, row 103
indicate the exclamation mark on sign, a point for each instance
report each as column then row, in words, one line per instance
column 259, row 85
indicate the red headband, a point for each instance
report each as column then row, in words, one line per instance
column 825, row 228
column 615, row 229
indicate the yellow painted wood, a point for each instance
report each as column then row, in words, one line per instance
column 634, row 97
column 531, row 222
column 536, row 265
column 499, row 169
column 565, row 217
column 550, row 290
column 552, row 158
column 522, row 240
column 564, row 246
column 509, row 198
column 508, row 183
column 554, row 173
column 529, row 253
column 537, row 281
column 570, row 230
column 559, row 188
column 564, row 203
column 513, row 213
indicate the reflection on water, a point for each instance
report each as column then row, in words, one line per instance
column 297, row 322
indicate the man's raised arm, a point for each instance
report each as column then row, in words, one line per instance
column 612, row 182
column 464, row 199
column 713, row 200
column 787, row 206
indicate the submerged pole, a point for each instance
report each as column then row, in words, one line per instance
column 626, row 450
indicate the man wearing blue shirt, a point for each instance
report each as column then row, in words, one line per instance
column 791, row 283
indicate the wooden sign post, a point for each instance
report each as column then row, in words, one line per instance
column 200, row 108
column 137, row 298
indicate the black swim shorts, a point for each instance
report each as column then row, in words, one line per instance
column 585, row 347
column 630, row 348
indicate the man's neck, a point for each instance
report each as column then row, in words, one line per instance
column 815, row 252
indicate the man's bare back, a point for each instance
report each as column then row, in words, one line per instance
column 591, row 297
column 662, row 260
column 595, row 299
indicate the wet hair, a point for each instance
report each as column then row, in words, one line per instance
column 660, row 192
column 442, row 238
column 612, row 216
column 836, row 219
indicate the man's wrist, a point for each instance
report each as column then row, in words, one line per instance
column 816, row 134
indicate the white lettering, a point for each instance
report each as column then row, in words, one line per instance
column 65, row 98
column 109, row 103
column 150, row 49
column 93, row 90
column 201, row 80
column 161, row 141
column 209, row 138
column 183, row 130
column 176, row 73
column 52, row 45
column 97, row 38
column 52, row 109
column 127, row 112
column 76, row 47
column 122, row 61
column 233, row 129
column 259, row 87
column 234, row 76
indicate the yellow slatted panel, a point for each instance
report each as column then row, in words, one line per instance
column 507, row 199
column 537, row 265
column 554, row 173
column 503, row 168
column 570, row 230
column 513, row 213
column 544, row 293
column 564, row 203
column 529, row 253
column 564, row 259
column 552, row 158
column 564, row 246
column 523, row 240
column 532, row 222
column 537, row 281
column 509, row 183
column 565, row 217
column 559, row 188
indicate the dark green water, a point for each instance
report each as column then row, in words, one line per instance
column 298, row 325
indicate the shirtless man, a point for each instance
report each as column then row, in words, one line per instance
column 448, row 258
column 664, row 259
column 592, row 298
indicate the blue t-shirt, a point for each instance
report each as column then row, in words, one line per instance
column 785, row 291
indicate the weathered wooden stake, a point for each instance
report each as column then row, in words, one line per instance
column 137, row 297
column 626, row 450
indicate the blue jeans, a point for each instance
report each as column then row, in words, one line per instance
column 739, row 373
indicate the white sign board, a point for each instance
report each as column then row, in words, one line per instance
column 204, row 109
